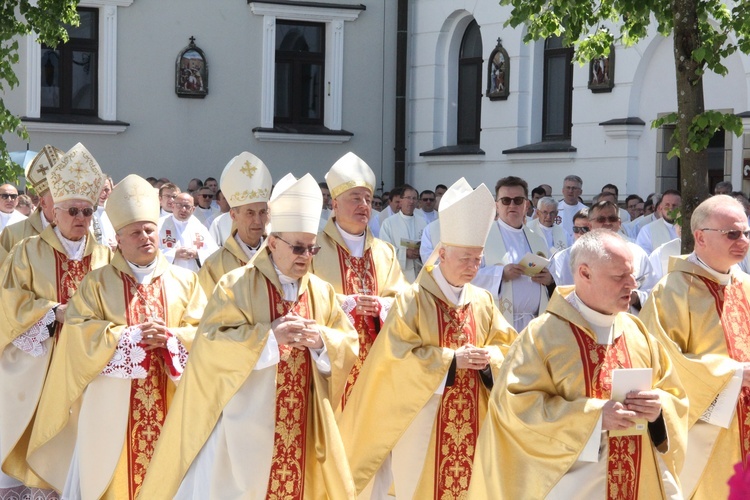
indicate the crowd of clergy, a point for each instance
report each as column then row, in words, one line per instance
column 267, row 336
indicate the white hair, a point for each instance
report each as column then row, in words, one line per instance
column 547, row 201
column 590, row 248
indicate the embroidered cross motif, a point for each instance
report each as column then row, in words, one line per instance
column 43, row 170
column 198, row 241
column 248, row 169
column 77, row 170
column 135, row 194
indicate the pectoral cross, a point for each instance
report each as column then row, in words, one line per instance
column 459, row 336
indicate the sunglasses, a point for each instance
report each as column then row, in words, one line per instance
column 74, row 211
column 302, row 249
column 609, row 218
column 506, row 200
column 8, row 196
column 581, row 230
column 428, row 199
column 206, row 195
column 731, row 234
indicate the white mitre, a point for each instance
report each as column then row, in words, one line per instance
column 133, row 199
column 246, row 179
column 295, row 205
column 76, row 176
column 348, row 172
column 36, row 170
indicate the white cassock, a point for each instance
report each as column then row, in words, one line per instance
column 174, row 234
column 399, row 230
column 659, row 258
column 655, row 234
column 566, row 213
column 204, row 215
column 221, row 228
column 11, row 218
column 106, row 233
column 325, row 214
column 555, row 236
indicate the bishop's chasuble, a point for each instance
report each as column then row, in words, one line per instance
column 548, row 405
column 227, row 258
column 14, row 233
column 404, row 402
column 251, row 419
column 375, row 271
column 37, row 276
column 706, row 326
column 106, row 398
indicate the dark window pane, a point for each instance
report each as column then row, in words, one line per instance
column 471, row 46
column 83, row 83
column 312, row 76
column 50, row 96
column 553, row 42
column 298, row 37
column 87, row 28
column 283, row 87
column 468, row 119
column 555, row 95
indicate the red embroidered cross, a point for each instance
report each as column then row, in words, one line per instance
column 198, row 241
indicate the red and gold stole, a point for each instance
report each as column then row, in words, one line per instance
column 734, row 312
column 148, row 396
column 458, row 415
column 69, row 274
column 358, row 277
column 293, row 379
column 624, row 461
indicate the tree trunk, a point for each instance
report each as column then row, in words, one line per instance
column 693, row 168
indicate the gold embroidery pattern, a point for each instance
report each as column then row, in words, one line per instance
column 148, row 397
column 624, row 460
column 293, row 378
column 458, row 416
column 359, row 278
column 69, row 273
column 248, row 169
column 252, row 194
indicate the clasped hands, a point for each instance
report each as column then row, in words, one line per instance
column 296, row 331
column 154, row 334
column 472, row 357
column 637, row 404
column 367, row 305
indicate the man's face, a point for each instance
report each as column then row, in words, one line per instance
column 106, row 191
column 166, row 200
column 535, row 199
column 205, row 196
column 251, row 220
column 326, row 198
column 395, row 202
column 428, row 202
column 408, row 202
column 460, row 265
column 547, row 215
column 139, row 242
column 353, row 209
column 716, row 248
column 183, row 207
column 73, row 227
column 669, row 202
column 607, row 196
column 607, row 283
column 722, row 190
column 605, row 218
column 635, row 208
column 377, row 204
column 581, row 226
column 282, row 249
column 8, row 198
column 571, row 191
column 512, row 214
column 648, row 210
column 213, row 185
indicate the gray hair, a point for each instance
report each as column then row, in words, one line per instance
column 547, row 201
column 574, row 178
column 710, row 206
column 589, row 248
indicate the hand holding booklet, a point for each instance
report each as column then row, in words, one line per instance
column 625, row 380
column 533, row 264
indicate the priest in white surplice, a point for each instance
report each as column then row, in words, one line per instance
column 570, row 204
column 544, row 225
column 404, row 231
column 661, row 230
column 183, row 240
column 8, row 202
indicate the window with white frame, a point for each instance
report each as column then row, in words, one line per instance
column 303, row 88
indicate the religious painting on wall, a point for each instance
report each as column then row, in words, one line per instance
column 191, row 73
column 602, row 73
column 498, row 71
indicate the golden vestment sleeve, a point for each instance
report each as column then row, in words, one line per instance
column 225, row 259
column 405, row 367
column 539, row 416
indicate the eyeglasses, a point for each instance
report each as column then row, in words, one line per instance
column 301, row 249
column 8, row 196
column 206, row 195
column 731, row 234
column 581, row 229
column 186, row 207
column 169, row 196
column 74, row 211
column 606, row 218
column 506, row 200
column 544, row 212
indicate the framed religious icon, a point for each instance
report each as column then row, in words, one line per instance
column 602, row 72
column 191, row 72
column 498, row 72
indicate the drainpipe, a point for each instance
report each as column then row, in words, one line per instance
column 402, row 34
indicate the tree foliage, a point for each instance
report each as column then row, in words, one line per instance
column 45, row 18
column 705, row 33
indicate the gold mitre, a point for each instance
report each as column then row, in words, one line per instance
column 466, row 215
column 36, row 170
column 348, row 172
column 76, row 176
column 246, row 179
column 133, row 199
column 295, row 205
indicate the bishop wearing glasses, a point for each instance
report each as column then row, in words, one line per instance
column 701, row 312
column 254, row 414
column 38, row 278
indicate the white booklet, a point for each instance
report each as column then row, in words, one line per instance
column 533, row 264
column 721, row 411
column 625, row 380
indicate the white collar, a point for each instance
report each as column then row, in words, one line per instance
column 355, row 242
column 455, row 294
column 249, row 251
column 290, row 286
column 722, row 278
column 73, row 249
column 594, row 318
column 510, row 228
column 45, row 222
column 143, row 274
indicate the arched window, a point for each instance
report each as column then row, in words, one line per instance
column 558, row 90
column 469, row 111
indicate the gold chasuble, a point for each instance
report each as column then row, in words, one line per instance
column 547, row 404
column 96, row 403
column 36, row 276
column 227, row 258
column 397, row 406
column 14, row 233
column 706, row 327
column 377, row 272
column 240, row 430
